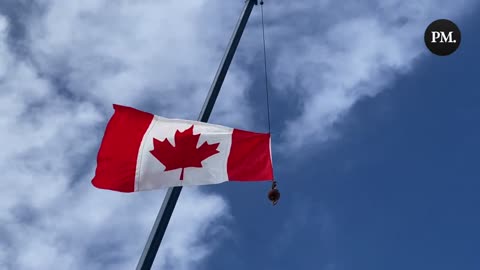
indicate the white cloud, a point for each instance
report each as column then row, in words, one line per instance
column 342, row 53
column 131, row 52
column 85, row 55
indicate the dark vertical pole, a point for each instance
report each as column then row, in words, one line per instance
column 163, row 217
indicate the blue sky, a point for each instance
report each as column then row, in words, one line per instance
column 398, row 189
column 375, row 139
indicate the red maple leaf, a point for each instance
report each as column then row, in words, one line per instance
column 185, row 152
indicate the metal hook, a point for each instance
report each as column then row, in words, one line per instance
column 274, row 194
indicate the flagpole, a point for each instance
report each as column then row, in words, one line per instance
column 170, row 200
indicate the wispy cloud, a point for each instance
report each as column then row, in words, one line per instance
column 55, row 98
column 331, row 55
column 137, row 53
column 79, row 57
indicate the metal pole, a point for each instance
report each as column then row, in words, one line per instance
column 163, row 217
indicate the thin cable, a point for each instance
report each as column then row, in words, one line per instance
column 274, row 191
column 265, row 68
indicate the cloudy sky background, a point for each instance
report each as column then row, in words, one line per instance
column 349, row 80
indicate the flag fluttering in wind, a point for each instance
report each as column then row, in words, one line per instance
column 142, row 151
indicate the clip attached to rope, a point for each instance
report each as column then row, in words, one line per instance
column 274, row 194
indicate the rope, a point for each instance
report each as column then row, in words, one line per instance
column 274, row 194
column 265, row 69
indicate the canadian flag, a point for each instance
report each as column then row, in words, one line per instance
column 142, row 151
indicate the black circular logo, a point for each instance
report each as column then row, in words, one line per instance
column 442, row 37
